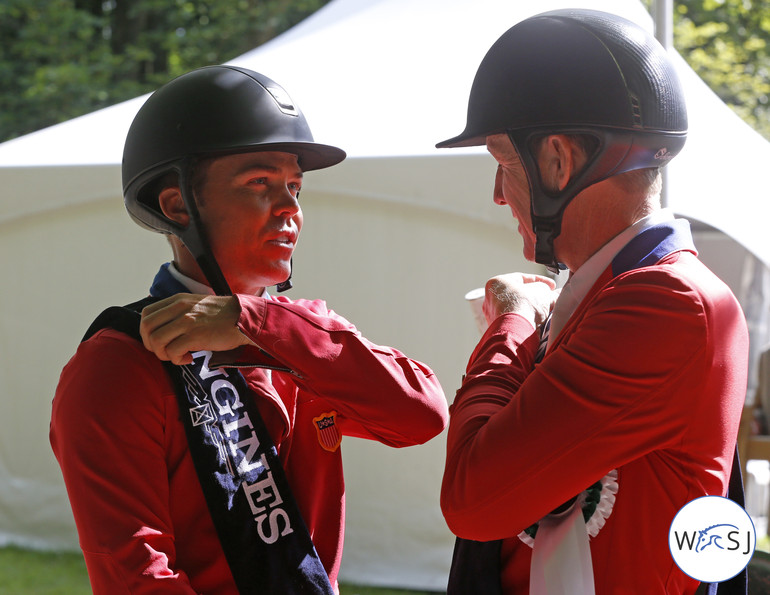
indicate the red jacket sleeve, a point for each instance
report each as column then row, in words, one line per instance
column 107, row 430
column 377, row 391
column 625, row 382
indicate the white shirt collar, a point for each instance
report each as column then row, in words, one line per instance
column 196, row 286
column 581, row 281
column 191, row 284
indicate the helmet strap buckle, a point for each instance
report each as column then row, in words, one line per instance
column 286, row 285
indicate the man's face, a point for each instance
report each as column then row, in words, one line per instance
column 512, row 188
column 248, row 205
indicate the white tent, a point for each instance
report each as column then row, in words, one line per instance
column 393, row 238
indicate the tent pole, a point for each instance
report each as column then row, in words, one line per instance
column 663, row 15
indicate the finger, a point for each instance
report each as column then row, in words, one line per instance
column 547, row 280
column 178, row 353
column 156, row 340
column 176, row 300
column 157, row 314
column 532, row 278
column 177, row 341
column 160, row 304
column 161, row 326
column 508, row 279
column 151, row 338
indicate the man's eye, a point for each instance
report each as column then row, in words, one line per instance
column 295, row 187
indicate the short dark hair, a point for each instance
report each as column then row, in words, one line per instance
column 170, row 179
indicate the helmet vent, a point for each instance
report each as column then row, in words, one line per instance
column 636, row 111
column 285, row 104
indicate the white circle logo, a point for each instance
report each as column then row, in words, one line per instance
column 712, row 539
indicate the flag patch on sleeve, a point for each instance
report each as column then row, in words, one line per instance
column 329, row 436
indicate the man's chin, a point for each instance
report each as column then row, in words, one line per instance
column 280, row 276
column 262, row 279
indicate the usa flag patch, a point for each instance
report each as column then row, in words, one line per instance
column 329, row 436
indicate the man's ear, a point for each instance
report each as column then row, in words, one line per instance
column 172, row 205
column 557, row 161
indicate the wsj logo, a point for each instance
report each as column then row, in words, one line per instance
column 723, row 536
column 712, row 539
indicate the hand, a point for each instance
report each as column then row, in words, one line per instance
column 175, row 327
column 531, row 296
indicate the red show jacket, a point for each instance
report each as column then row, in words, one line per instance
column 648, row 377
column 143, row 523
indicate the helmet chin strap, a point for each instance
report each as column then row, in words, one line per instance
column 194, row 235
column 544, row 253
column 547, row 229
column 547, row 206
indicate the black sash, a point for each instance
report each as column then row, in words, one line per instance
column 263, row 535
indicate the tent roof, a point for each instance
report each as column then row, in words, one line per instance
column 387, row 78
column 377, row 78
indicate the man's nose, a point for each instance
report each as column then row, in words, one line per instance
column 497, row 193
column 287, row 202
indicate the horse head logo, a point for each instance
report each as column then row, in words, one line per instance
column 713, row 535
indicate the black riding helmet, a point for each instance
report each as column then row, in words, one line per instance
column 577, row 72
column 210, row 111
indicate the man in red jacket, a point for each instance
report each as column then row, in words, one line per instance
column 588, row 416
column 188, row 477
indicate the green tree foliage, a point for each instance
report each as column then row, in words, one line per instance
column 64, row 58
column 726, row 43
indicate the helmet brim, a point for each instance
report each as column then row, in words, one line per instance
column 464, row 140
column 310, row 156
